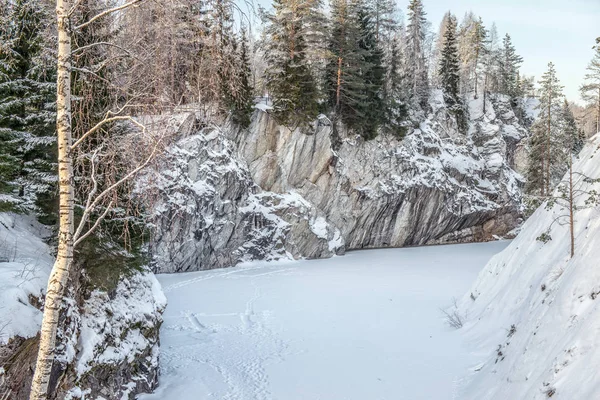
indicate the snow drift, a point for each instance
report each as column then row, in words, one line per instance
column 534, row 311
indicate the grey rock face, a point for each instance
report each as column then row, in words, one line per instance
column 210, row 213
column 227, row 196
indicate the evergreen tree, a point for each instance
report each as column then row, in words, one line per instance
column 241, row 107
column 393, row 96
column 27, row 117
column 449, row 72
column 547, row 150
column 385, row 21
column 289, row 78
column 449, row 64
column 590, row 90
column 573, row 136
column 372, row 73
column 355, row 69
column 509, row 63
column 480, row 47
column 416, row 68
column 437, row 52
column 466, row 34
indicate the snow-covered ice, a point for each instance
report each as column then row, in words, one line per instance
column 363, row 326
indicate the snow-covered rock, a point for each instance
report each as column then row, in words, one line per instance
column 534, row 311
column 226, row 196
column 108, row 341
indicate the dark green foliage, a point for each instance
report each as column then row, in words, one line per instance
column 355, row 70
column 416, row 65
column 509, row 62
column 27, row 117
column 242, row 105
column 449, row 69
column 288, row 76
column 449, row 72
column 395, row 108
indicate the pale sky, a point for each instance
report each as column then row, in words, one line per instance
column 561, row 31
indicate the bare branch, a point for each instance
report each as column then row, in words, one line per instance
column 82, row 48
column 90, row 207
column 106, row 12
column 105, row 121
column 96, row 224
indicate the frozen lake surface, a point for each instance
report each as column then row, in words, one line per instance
column 365, row 326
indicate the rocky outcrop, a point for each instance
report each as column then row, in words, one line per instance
column 108, row 337
column 226, row 195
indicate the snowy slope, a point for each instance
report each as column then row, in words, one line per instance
column 365, row 326
column 535, row 320
column 25, row 264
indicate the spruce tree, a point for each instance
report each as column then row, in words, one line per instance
column 572, row 136
column 509, row 63
column 480, row 43
column 355, row 69
column 590, row 90
column 416, row 66
column 449, row 68
column 547, row 148
column 372, row 72
column 289, row 79
column 466, row 34
column 393, row 96
column 241, row 107
column 449, row 72
column 27, row 117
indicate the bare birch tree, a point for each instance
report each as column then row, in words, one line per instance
column 70, row 235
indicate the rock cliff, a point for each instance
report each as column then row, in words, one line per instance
column 226, row 195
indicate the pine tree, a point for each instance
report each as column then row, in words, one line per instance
column 385, row 21
column 572, row 135
column 466, row 34
column 490, row 66
column 27, row 117
column 372, row 74
column 241, row 107
column 355, row 69
column 396, row 110
column 449, row 72
column 480, row 47
column 415, row 67
column 439, row 46
column 449, row 65
column 548, row 143
column 289, row 79
column 509, row 63
column 590, row 90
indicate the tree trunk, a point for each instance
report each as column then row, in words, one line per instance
column 60, row 271
column 571, row 206
column 548, row 144
column 598, row 113
column 338, row 90
column 485, row 91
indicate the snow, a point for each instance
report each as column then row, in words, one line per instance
column 112, row 327
column 263, row 107
column 550, row 299
column 25, row 264
column 363, row 326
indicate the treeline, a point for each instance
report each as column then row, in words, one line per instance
column 360, row 62
column 365, row 66
column 557, row 135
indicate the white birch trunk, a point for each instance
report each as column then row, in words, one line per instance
column 60, row 271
